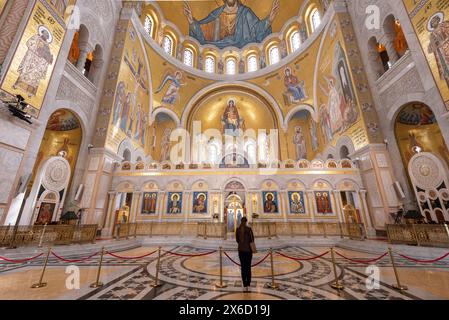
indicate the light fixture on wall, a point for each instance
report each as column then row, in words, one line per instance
column 17, row 108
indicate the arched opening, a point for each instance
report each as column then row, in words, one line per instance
column 378, row 58
column 126, row 155
column 231, row 66
column 209, row 65
column 235, row 207
column 395, row 42
column 274, row 54
column 95, row 66
column 344, row 153
column 252, row 64
column 62, row 137
column 422, row 146
column 302, row 141
column 168, row 45
column 188, row 57
column 80, row 53
column 160, row 131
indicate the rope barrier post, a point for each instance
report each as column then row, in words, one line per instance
column 42, row 284
column 97, row 283
column 156, row 282
column 398, row 285
column 221, row 284
column 336, row 285
column 272, row 285
column 42, row 236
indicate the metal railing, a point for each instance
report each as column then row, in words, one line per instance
column 261, row 229
column 47, row 235
column 426, row 235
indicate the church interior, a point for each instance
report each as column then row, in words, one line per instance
column 137, row 138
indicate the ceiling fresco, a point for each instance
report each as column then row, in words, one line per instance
column 255, row 11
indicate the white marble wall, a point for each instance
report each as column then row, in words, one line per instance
column 67, row 89
column 409, row 80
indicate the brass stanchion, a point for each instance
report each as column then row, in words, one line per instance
column 336, row 285
column 156, row 282
column 42, row 284
column 221, row 284
column 97, row 283
column 272, row 285
column 398, row 285
column 42, row 236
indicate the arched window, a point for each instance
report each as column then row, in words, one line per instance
column 148, row 26
column 252, row 63
column 263, row 148
column 274, row 55
column 167, row 45
column 188, row 57
column 315, row 19
column 295, row 40
column 209, row 65
column 231, row 66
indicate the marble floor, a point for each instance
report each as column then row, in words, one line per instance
column 183, row 277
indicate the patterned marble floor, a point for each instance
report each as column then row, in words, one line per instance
column 191, row 278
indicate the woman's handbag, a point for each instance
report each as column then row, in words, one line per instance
column 253, row 243
column 253, row 247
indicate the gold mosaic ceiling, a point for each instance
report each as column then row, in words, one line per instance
column 173, row 11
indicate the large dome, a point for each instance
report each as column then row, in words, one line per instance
column 226, row 24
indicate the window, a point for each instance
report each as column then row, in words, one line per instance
column 231, row 66
column 148, row 26
column 209, row 65
column 167, row 45
column 188, row 57
column 252, row 63
column 295, row 41
column 275, row 57
column 315, row 19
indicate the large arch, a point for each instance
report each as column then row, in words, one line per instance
column 248, row 87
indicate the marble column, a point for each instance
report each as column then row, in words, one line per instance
column 162, row 196
column 96, row 68
column 110, row 214
column 85, row 48
column 365, row 213
column 378, row 178
column 311, row 201
column 339, row 206
column 388, row 40
column 137, row 195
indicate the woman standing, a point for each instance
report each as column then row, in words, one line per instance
column 245, row 237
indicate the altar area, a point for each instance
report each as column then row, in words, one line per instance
column 302, row 192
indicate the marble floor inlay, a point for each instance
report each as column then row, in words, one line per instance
column 194, row 277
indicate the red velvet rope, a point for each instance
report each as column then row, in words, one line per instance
column 362, row 261
column 75, row 260
column 232, row 260
column 21, row 260
column 130, row 258
column 190, row 255
column 252, row 266
column 424, row 261
column 265, row 258
column 301, row 259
